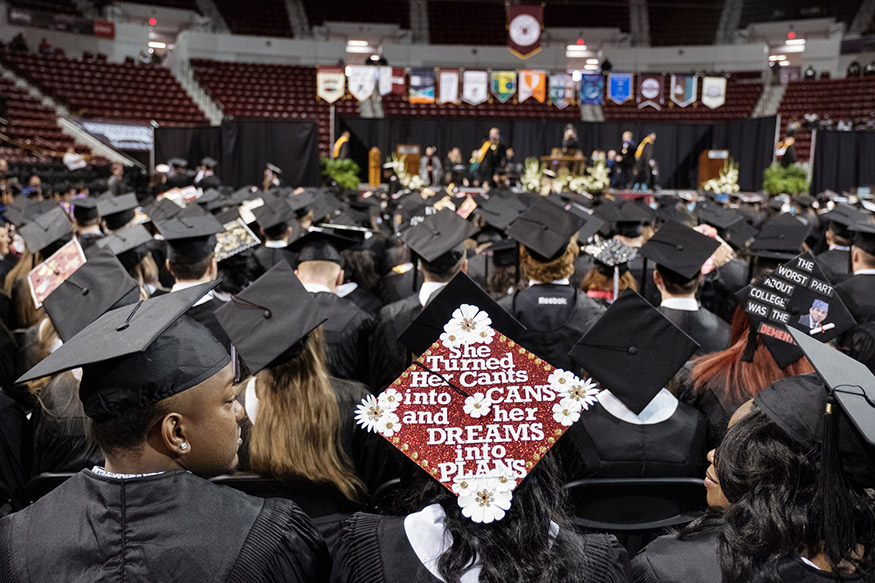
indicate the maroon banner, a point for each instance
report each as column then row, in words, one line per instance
column 650, row 89
column 524, row 26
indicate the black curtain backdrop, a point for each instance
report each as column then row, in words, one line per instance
column 843, row 160
column 242, row 149
column 677, row 146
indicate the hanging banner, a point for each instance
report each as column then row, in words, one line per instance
column 524, row 26
column 650, row 91
column 683, row 89
column 448, row 84
column 620, row 87
column 475, row 87
column 592, row 89
column 561, row 90
column 330, row 83
column 362, row 80
column 422, row 85
column 714, row 91
column 533, row 84
column 391, row 80
column 503, row 85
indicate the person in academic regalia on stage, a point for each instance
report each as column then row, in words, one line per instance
column 340, row 151
column 491, row 157
column 625, row 160
column 858, row 291
column 555, row 313
column 638, row 429
column 87, row 219
column 645, row 164
column 159, row 390
column 679, row 253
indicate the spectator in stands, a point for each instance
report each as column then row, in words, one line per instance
column 870, row 68
column 341, row 147
column 116, row 183
column 45, row 48
column 810, row 73
column 854, row 69
column 430, row 167
column 18, row 43
column 34, row 188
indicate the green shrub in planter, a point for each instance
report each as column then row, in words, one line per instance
column 344, row 172
column 790, row 180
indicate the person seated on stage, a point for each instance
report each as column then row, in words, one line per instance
column 158, row 389
column 569, row 141
column 782, row 452
column 857, row 291
column 679, row 253
column 430, row 167
column 556, row 313
column 455, row 169
column 87, row 219
column 638, row 428
column 278, row 227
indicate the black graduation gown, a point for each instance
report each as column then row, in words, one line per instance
column 347, row 333
column 205, row 313
column 394, row 286
column 718, row 288
column 708, row 330
column 208, row 182
column 375, row 549
column 556, row 316
column 389, row 357
column 8, row 355
column 6, row 265
column 364, row 299
column 178, row 180
column 15, row 450
column 858, row 295
column 88, row 241
column 270, row 256
column 602, row 446
column 836, row 265
column 168, row 527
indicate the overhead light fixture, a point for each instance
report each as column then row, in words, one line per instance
column 360, row 50
column 575, row 75
column 784, row 63
column 375, row 57
column 592, row 61
column 774, row 58
column 357, row 43
column 794, row 41
column 154, row 44
column 575, row 48
column 591, row 67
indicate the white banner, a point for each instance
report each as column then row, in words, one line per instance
column 362, row 80
column 385, row 75
column 714, row 91
column 330, row 83
column 448, row 86
column 475, row 87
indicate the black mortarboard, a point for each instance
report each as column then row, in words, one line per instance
column 23, row 210
column 427, row 327
column 322, row 245
column 438, row 234
column 268, row 319
column 85, row 209
column 178, row 162
column 301, row 203
column 228, row 215
column 129, row 245
column 193, row 210
column 42, row 232
column 209, row 195
column 100, row 285
column 324, row 207
column 209, row 162
column 740, row 234
column 633, row 350
column 781, row 236
column 162, row 210
column 863, row 236
column 190, row 239
column 135, row 356
column 499, row 211
column 245, row 193
column 118, row 211
column 592, row 225
column 843, row 216
column 545, row 229
column 273, row 213
column 717, row 216
column 679, row 249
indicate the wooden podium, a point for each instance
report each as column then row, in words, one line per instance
column 710, row 164
column 411, row 159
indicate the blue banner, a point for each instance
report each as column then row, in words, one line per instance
column 620, row 87
column 592, row 89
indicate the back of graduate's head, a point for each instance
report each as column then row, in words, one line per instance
column 674, row 283
column 446, row 266
column 547, row 269
column 202, row 268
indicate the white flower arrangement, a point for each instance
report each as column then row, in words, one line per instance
column 566, row 411
column 477, row 405
column 569, row 386
column 469, row 325
column 375, row 417
column 389, row 399
column 483, row 499
column 410, row 181
column 727, row 181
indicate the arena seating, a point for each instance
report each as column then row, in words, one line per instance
column 770, row 10
column 453, row 22
column 180, row 4
column 584, row 14
column 53, row 6
column 375, row 11
column 742, row 92
column 261, row 18
column 670, row 22
column 102, row 90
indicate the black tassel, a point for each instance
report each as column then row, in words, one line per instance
column 836, row 522
column 751, row 347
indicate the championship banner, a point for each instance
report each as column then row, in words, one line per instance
column 475, row 87
column 524, row 26
column 448, row 83
column 330, row 83
column 683, row 89
column 391, row 80
column 533, row 84
column 561, row 90
column 503, row 85
column 422, row 85
column 592, row 89
column 362, row 80
column 620, row 87
column 650, row 91
column 714, row 91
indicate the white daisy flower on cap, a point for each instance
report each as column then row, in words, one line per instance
column 469, row 325
column 477, row 405
column 566, row 411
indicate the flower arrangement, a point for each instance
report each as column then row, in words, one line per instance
column 727, row 180
column 409, row 181
column 533, row 172
column 595, row 179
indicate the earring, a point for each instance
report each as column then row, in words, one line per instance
column 183, row 446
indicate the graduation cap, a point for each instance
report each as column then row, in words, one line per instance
column 301, row 203
column 863, row 236
column 267, row 321
column 228, row 215
column 162, row 210
column 85, row 209
column 135, row 356
column 843, row 216
column 235, row 238
column 99, row 285
column 193, row 210
column 632, row 217
column 23, row 210
column 178, row 162
column 324, row 207
column 118, row 211
column 245, row 193
column 545, row 229
column 324, row 245
column 209, row 162
column 717, row 216
column 780, row 238
column 274, row 213
column 42, row 232
column 209, row 195
column 190, row 239
column 129, row 245
column 633, row 350
column 499, row 211
column 740, row 234
column 680, row 250
column 427, row 327
column 438, row 234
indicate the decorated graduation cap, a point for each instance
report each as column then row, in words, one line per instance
column 324, row 245
column 190, row 239
column 267, row 321
column 235, row 238
column 797, row 295
column 477, row 388
column 678, row 251
column 780, row 238
column 85, row 209
column 438, row 235
column 633, row 350
column 137, row 355
column 47, row 232
column 96, row 287
column 129, row 244
column 545, row 229
column 429, row 324
column 863, row 236
column 118, row 211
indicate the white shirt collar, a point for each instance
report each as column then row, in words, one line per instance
column 427, row 290
column 346, row 288
column 564, row 281
column 181, row 285
column 251, row 400
column 865, row 272
column 315, row 288
column 839, row 248
column 684, row 304
column 660, row 408
column 276, row 244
